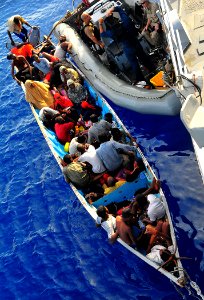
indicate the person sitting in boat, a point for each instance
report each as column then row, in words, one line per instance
column 15, row 25
column 76, row 92
column 152, row 189
column 80, row 174
column 126, row 232
column 43, row 65
column 55, row 79
column 23, row 66
column 24, row 49
column 114, row 154
column 98, row 128
column 91, row 32
column 62, row 48
column 61, row 102
column 89, row 155
column 76, row 172
column 159, row 235
column 118, row 135
column 152, row 29
column 48, row 115
column 80, row 139
column 64, row 130
column 109, row 118
column 131, row 169
column 111, row 184
column 155, row 210
column 162, row 257
column 68, row 73
column 108, row 222
column 38, row 94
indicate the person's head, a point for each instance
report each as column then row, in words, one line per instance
column 144, row 3
column 104, row 138
column 116, row 134
column 36, row 57
column 81, row 148
column 63, row 69
column 62, row 38
column 93, row 118
column 165, row 254
column 111, row 181
column 81, row 139
column 16, row 21
column 128, row 164
column 59, row 120
column 68, row 159
column 70, row 84
column 141, row 201
column 108, row 117
column 11, row 56
column 102, row 211
column 85, row 17
column 126, row 214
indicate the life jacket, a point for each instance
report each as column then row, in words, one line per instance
column 88, row 41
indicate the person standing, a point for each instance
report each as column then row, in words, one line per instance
column 15, row 25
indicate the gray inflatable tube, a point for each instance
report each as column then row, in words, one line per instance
column 161, row 102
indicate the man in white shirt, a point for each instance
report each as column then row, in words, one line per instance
column 91, row 157
column 108, row 222
column 159, row 254
column 156, row 208
column 81, row 139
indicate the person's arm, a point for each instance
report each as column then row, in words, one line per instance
column 113, row 237
column 69, row 47
column 13, row 74
column 131, row 237
column 11, row 39
column 155, row 186
column 90, row 35
column 147, row 25
column 100, row 23
column 26, row 23
column 27, row 64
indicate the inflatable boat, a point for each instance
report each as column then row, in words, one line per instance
column 112, row 76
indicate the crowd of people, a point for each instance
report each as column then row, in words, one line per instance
column 142, row 225
column 100, row 159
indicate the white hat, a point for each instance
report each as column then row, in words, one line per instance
column 62, row 68
column 69, row 82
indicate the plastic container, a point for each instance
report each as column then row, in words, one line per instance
column 157, row 80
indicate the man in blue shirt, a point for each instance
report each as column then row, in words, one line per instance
column 113, row 153
column 41, row 63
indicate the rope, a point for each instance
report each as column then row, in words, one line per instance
column 190, row 285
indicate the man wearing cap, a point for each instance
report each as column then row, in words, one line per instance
column 150, row 9
column 76, row 92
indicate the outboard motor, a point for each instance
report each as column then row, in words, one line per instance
column 34, row 36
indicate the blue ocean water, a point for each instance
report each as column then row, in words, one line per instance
column 49, row 246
